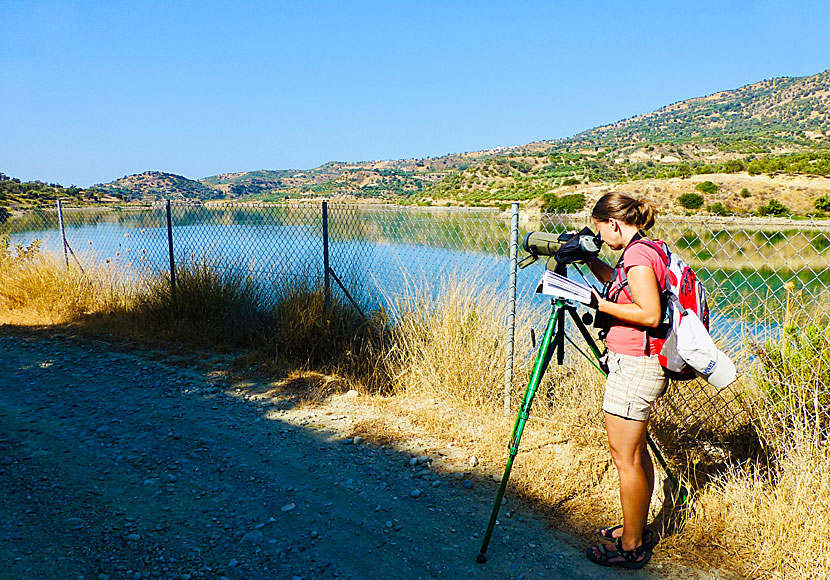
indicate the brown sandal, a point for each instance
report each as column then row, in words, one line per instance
column 650, row 540
column 630, row 559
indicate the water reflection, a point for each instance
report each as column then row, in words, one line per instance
column 381, row 252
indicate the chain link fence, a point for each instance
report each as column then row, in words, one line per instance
column 755, row 272
column 759, row 274
column 768, row 279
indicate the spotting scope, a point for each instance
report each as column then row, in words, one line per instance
column 564, row 248
column 543, row 243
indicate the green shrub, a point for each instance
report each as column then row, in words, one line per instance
column 707, row 187
column 690, row 200
column 733, row 166
column 821, row 204
column 795, row 371
column 718, row 209
column 774, row 208
column 4, row 214
column 745, row 193
column 571, row 181
column 571, row 203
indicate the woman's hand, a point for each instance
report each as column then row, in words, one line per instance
column 595, row 299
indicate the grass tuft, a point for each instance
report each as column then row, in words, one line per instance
column 213, row 306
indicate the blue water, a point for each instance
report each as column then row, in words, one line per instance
column 384, row 260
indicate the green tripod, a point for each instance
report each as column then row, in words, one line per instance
column 554, row 340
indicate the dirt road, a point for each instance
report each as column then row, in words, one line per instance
column 126, row 463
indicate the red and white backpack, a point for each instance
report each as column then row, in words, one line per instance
column 683, row 293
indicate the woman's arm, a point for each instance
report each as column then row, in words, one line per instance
column 646, row 309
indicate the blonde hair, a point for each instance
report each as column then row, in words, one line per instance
column 634, row 212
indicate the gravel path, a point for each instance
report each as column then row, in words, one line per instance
column 116, row 463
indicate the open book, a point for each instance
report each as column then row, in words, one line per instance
column 553, row 284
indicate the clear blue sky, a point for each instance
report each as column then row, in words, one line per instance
column 92, row 91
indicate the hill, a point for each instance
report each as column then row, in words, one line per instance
column 153, row 185
column 17, row 193
column 758, row 128
column 775, row 127
column 772, row 128
column 381, row 179
column 776, row 113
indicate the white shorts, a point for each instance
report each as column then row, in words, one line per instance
column 634, row 383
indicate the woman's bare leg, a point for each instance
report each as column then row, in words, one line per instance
column 627, row 441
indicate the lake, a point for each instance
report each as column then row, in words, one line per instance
column 382, row 253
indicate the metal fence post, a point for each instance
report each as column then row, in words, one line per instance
column 326, row 281
column 63, row 234
column 170, row 246
column 511, row 307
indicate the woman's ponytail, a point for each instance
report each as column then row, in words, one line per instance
column 634, row 212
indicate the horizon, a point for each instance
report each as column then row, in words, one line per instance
column 94, row 92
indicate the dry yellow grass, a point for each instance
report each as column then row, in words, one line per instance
column 38, row 288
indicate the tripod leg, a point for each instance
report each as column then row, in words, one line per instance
column 583, row 330
column 682, row 492
column 542, row 360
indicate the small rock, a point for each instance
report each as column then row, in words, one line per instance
column 415, row 493
column 496, row 478
column 473, row 461
column 254, row 537
column 357, row 440
column 76, row 523
column 133, row 538
column 422, row 459
column 288, row 507
column 347, row 441
column 352, row 394
column 233, row 563
column 467, row 484
column 436, row 483
column 413, row 462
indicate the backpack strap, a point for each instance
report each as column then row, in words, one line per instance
column 619, row 269
column 619, row 272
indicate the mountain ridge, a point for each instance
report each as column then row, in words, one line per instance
column 754, row 127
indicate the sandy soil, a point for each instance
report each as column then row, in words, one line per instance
column 118, row 462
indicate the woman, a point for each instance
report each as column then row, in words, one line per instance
column 635, row 378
